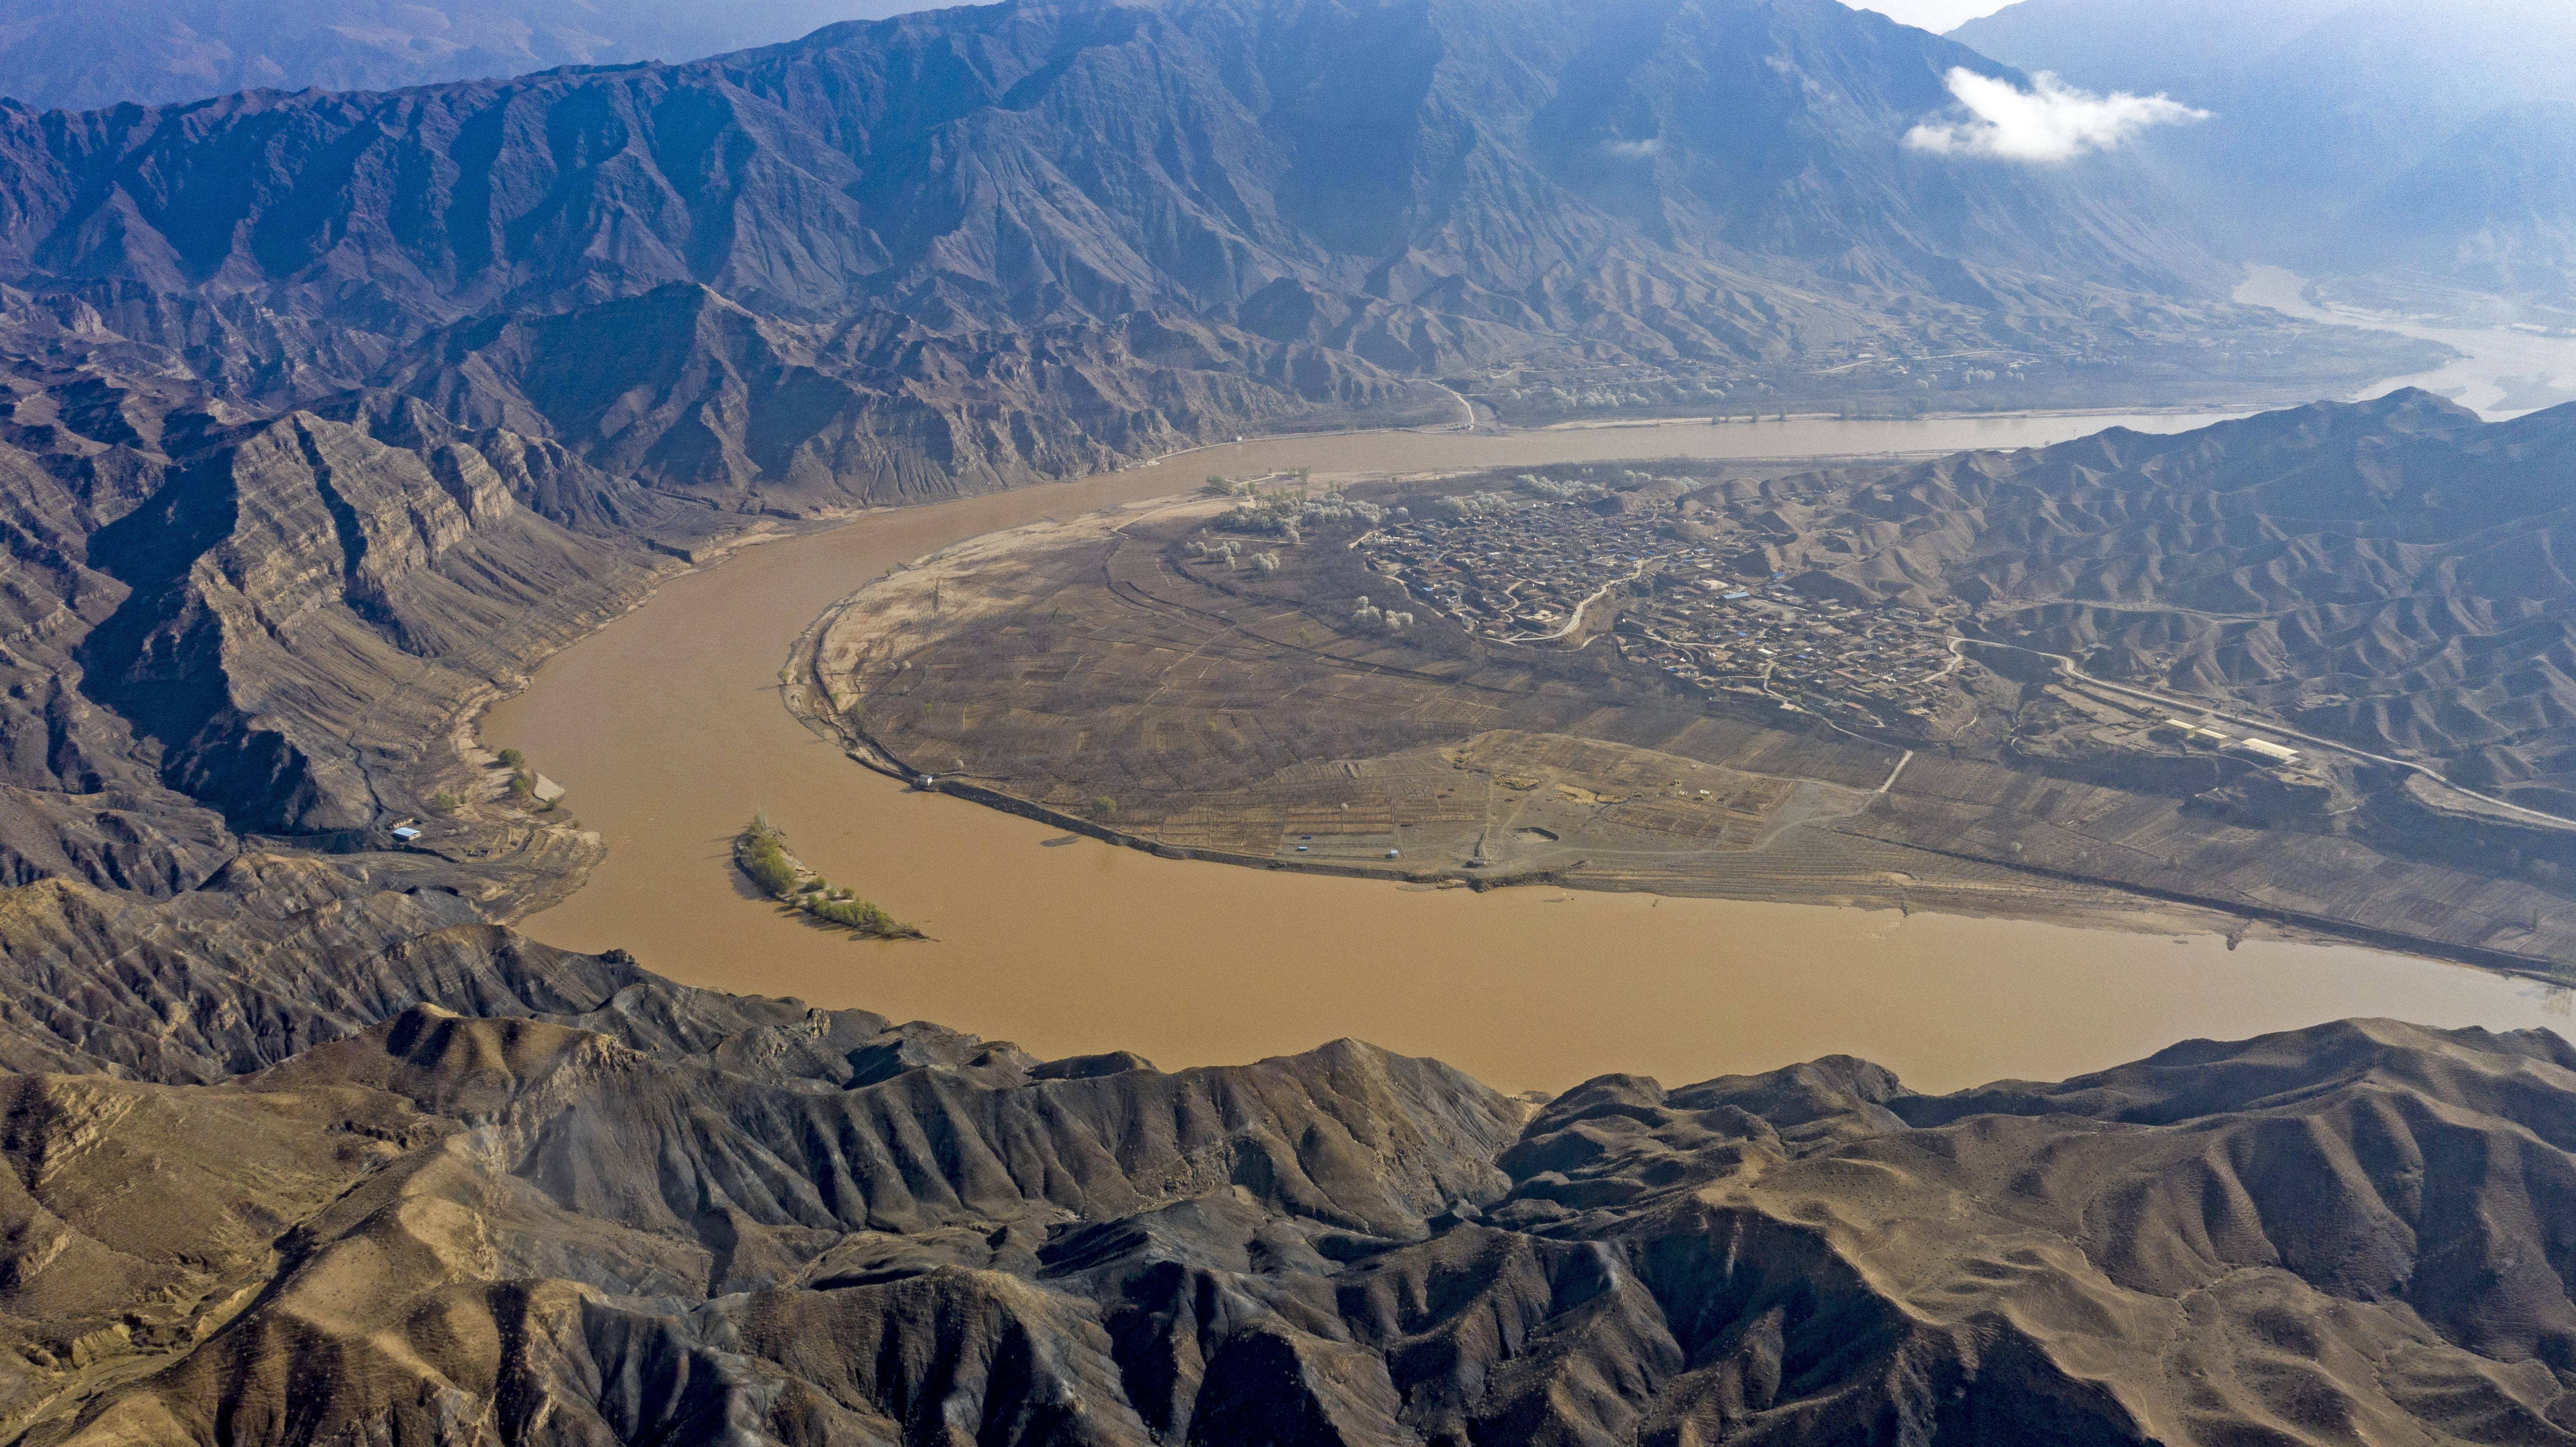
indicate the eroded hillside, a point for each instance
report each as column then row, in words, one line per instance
column 607, row 1208
column 324, row 416
column 2386, row 574
column 225, row 622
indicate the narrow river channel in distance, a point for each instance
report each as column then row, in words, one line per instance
column 668, row 730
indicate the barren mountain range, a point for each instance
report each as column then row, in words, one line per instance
column 2385, row 573
column 2492, row 209
column 323, row 416
column 522, row 343
column 1327, row 200
column 600, row 1208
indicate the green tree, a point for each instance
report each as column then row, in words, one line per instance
column 766, row 862
column 761, row 853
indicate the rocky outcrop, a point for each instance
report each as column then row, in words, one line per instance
column 220, row 622
column 686, row 391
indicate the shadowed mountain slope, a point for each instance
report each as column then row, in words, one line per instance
column 277, row 616
column 2188, row 48
column 782, row 1225
column 2492, row 209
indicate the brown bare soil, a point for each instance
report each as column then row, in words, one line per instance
column 1065, row 666
column 1098, row 672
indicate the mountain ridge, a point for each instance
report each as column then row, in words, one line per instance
column 323, row 415
column 853, row 179
column 57, row 55
column 794, row 1225
column 593, row 319
column 2380, row 572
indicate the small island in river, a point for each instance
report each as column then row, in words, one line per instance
column 760, row 852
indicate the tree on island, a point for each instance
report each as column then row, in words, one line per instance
column 760, row 852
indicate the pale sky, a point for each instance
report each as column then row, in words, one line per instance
column 1934, row 15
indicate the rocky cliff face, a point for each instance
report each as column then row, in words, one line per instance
column 289, row 585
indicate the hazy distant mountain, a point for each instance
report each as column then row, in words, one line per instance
column 2492, row 209
column 1501, row 156
column 82, row 54
column 2459, row 56
column 2189, row 48
column 2320, row 105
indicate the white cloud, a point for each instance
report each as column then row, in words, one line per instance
column 2051, row 121
column 1633, row 150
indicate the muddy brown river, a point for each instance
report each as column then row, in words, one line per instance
column 668, row 730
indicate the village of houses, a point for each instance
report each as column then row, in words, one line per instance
column 1560, row 568
column 1572, row 565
